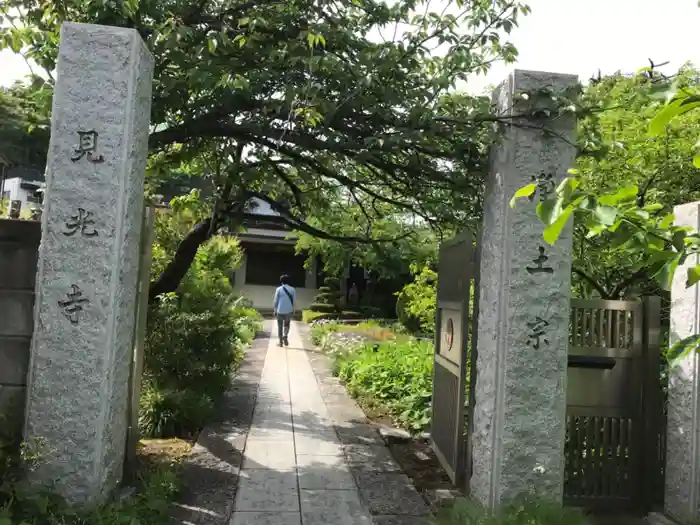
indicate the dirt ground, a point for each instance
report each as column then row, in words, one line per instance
column 153, row 453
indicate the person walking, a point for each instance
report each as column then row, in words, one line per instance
column 283, row 307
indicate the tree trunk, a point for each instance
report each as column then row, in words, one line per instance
column 182, row 260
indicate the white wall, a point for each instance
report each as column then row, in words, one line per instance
column 261, row 296
column 17, row 193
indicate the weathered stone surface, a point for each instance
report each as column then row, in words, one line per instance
column 79, row 370
column 390, row 493
column 394, row 435
column 340, row 507
column 682, row 498
column 371, row 458
column 324, row 473
column 267, row 490
column 519, row 420
column 359, row 434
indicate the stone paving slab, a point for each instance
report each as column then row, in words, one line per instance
column 266, row 518
column 318, row 445
column 324, row 473
column 389, row 493
column 267, row 490
column 269, row 455
column 371, row 458
column 359, row 435
column 333, row 507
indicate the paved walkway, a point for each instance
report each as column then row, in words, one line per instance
column 293, row 449
column 294, row 469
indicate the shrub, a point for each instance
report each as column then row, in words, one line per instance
column 407, row 319
column 333, row 284
column 309, row 316
column 416, row 303
column 323, row 308
column 195, row 336
column 522, row 512
column 395, row 375
column 371, row 311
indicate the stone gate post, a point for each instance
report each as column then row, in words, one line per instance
column 88, row 260
column 519, row 427
column 682, row 490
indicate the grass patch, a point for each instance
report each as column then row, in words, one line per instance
column 523, row 512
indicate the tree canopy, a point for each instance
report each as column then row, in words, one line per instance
column 283, row 100
column 616, row 151
column 632, row 215
column 24, row 133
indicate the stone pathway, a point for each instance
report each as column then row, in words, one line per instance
column 308, row 455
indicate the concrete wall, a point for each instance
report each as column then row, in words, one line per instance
column 19, row 244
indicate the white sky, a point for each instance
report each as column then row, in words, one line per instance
column 571, row 36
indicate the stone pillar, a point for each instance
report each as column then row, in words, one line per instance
column 682, row 498
column 523, row 334
column 89, row 260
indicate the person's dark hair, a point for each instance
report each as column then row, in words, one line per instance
column 284, row 279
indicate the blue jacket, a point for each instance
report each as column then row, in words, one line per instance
column 282, row 303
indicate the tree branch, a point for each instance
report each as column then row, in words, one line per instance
column 591, row 281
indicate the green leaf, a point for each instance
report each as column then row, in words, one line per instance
column 623, row 194
column 606, row 215
column 693, row 275
column 675, row 108
column 552, row 232
column 567, row 187
column 682, row 348
column 525, row 191
column 665, row 275
column 678, row 240
column 548, row 211
column 696, row 160
column 212, row 44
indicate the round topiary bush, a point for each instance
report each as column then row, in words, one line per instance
column 323, row 307
column 333, row 284
column 326, row 298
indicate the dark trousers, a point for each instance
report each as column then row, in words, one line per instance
column 283, row 323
